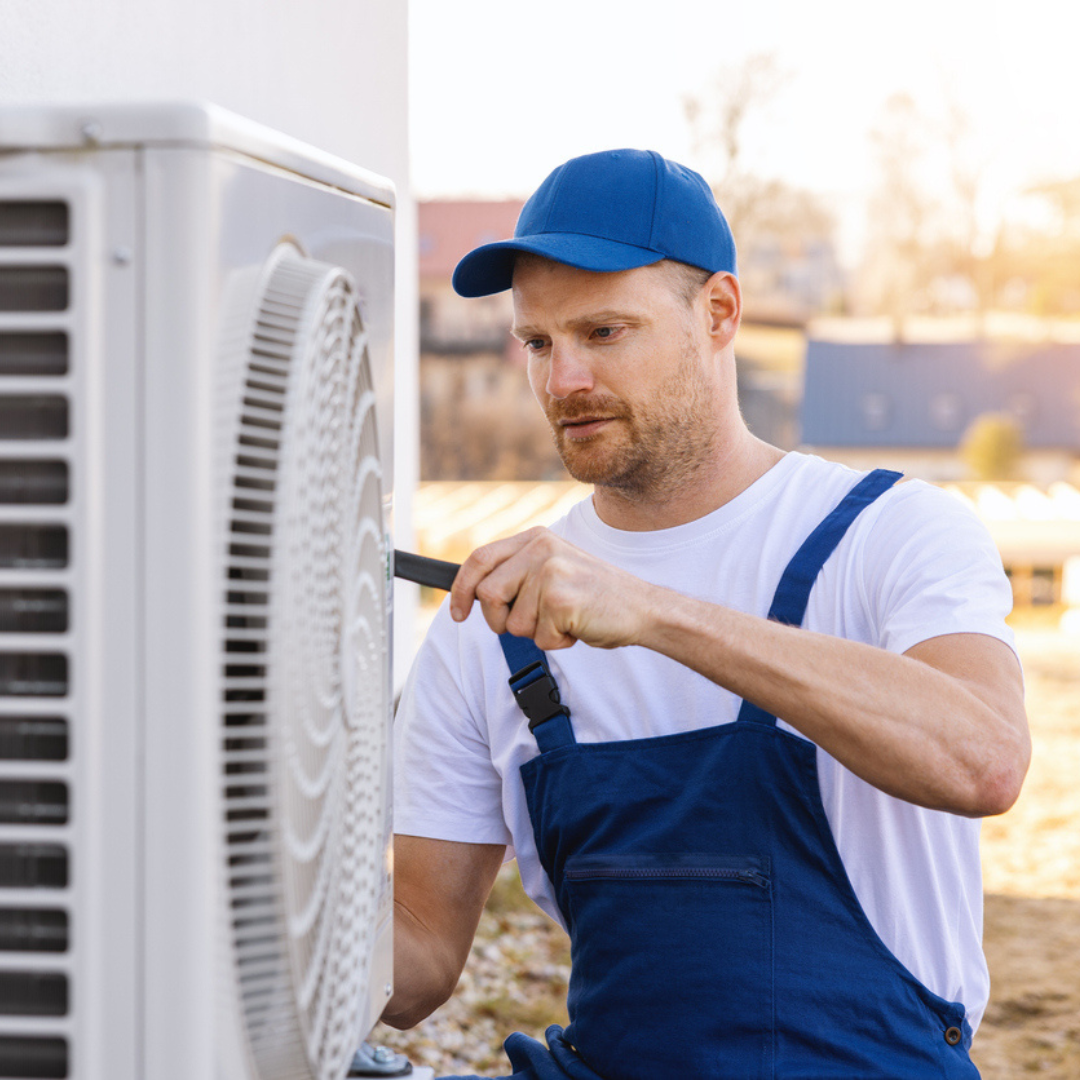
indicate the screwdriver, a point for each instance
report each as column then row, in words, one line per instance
column 424, row 571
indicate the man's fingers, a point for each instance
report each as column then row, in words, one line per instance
column 473, row 570
column 498, row 593
column 537, row 586
column 538, row 613
column 521, row 618
column 481, row 565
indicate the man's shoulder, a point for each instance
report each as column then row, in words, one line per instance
column 829, row 481
column 913, row 521
column 817, row 480
column 913, row 503
column 809, row 488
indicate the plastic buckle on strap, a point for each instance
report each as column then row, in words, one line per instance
column 538, row 700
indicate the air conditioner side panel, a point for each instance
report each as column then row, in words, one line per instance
column 102, row 641
column 181, row 614
column 112, row 630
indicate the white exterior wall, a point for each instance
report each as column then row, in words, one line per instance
column 330, row 72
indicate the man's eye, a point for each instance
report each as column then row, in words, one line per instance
column 604, row 332
column 534, row 344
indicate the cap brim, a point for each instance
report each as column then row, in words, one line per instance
column 490, row 269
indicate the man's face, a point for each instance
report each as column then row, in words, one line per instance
column 620, row 364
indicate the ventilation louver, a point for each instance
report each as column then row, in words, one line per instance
column 36, row 705
column 305, row 664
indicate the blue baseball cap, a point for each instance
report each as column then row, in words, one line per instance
column 615, row 210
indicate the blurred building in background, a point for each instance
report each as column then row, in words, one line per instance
column 451, row 325
column 1037, row 532
column 910, row 404
column 922, row 407
column 478, row 419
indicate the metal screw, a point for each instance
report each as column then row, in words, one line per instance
column 92, row 130
column 122, row 256
column 388, row 990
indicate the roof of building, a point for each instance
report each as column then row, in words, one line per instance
column 1030, row 524
column 447, row 230
column 925, row 395
column 453, row 518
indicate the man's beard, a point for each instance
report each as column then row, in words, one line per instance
column 644, row 451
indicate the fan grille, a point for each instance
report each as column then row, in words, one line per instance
column 306, row 674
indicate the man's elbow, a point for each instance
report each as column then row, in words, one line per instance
column 998, row 785
column 999, row 792
column 406, row 1018
column 426, row 971
column 410, row 1005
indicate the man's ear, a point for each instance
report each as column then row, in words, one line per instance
column 723, row 297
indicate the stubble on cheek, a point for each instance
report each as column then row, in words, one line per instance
column 643, row 452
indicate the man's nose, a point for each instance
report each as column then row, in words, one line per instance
column 569, row 372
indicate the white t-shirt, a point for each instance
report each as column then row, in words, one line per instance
column 914, row 565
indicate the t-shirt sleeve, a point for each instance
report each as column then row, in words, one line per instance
column 934, row 570
column 445, row 784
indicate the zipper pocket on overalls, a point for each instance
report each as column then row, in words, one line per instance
column 670, row 866
column 750, row 877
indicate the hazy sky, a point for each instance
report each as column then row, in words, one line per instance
column 502, row 92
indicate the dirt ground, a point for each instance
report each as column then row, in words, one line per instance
column 516, row 977
column 1031, row 871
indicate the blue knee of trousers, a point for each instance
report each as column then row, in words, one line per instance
column 531, row 1060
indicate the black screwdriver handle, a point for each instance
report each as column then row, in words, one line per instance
column 424, row 571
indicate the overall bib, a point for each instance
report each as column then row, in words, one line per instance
column 714, row 931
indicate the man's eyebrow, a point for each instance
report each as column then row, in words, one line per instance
column 593, row 318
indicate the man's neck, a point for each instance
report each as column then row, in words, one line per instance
column 710, row 487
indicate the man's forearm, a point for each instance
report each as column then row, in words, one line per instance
column 439, row 891
column 915, row 726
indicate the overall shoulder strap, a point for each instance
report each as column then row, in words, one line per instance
column 793, row 592
column 537, row 693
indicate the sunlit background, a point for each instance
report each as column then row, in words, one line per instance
column 501, row 93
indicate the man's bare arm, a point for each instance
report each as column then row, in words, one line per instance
column 440, row 888
column 943, row 726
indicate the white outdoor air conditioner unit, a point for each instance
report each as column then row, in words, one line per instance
column 195, row 496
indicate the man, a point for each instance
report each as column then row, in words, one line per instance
column 746, row 896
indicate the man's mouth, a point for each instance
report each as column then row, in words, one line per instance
column 583, row 427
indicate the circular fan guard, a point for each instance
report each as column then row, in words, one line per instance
column 306, row 675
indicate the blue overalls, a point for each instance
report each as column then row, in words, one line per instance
column 714, row 932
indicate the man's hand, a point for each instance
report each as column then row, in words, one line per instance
column 538, row 585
